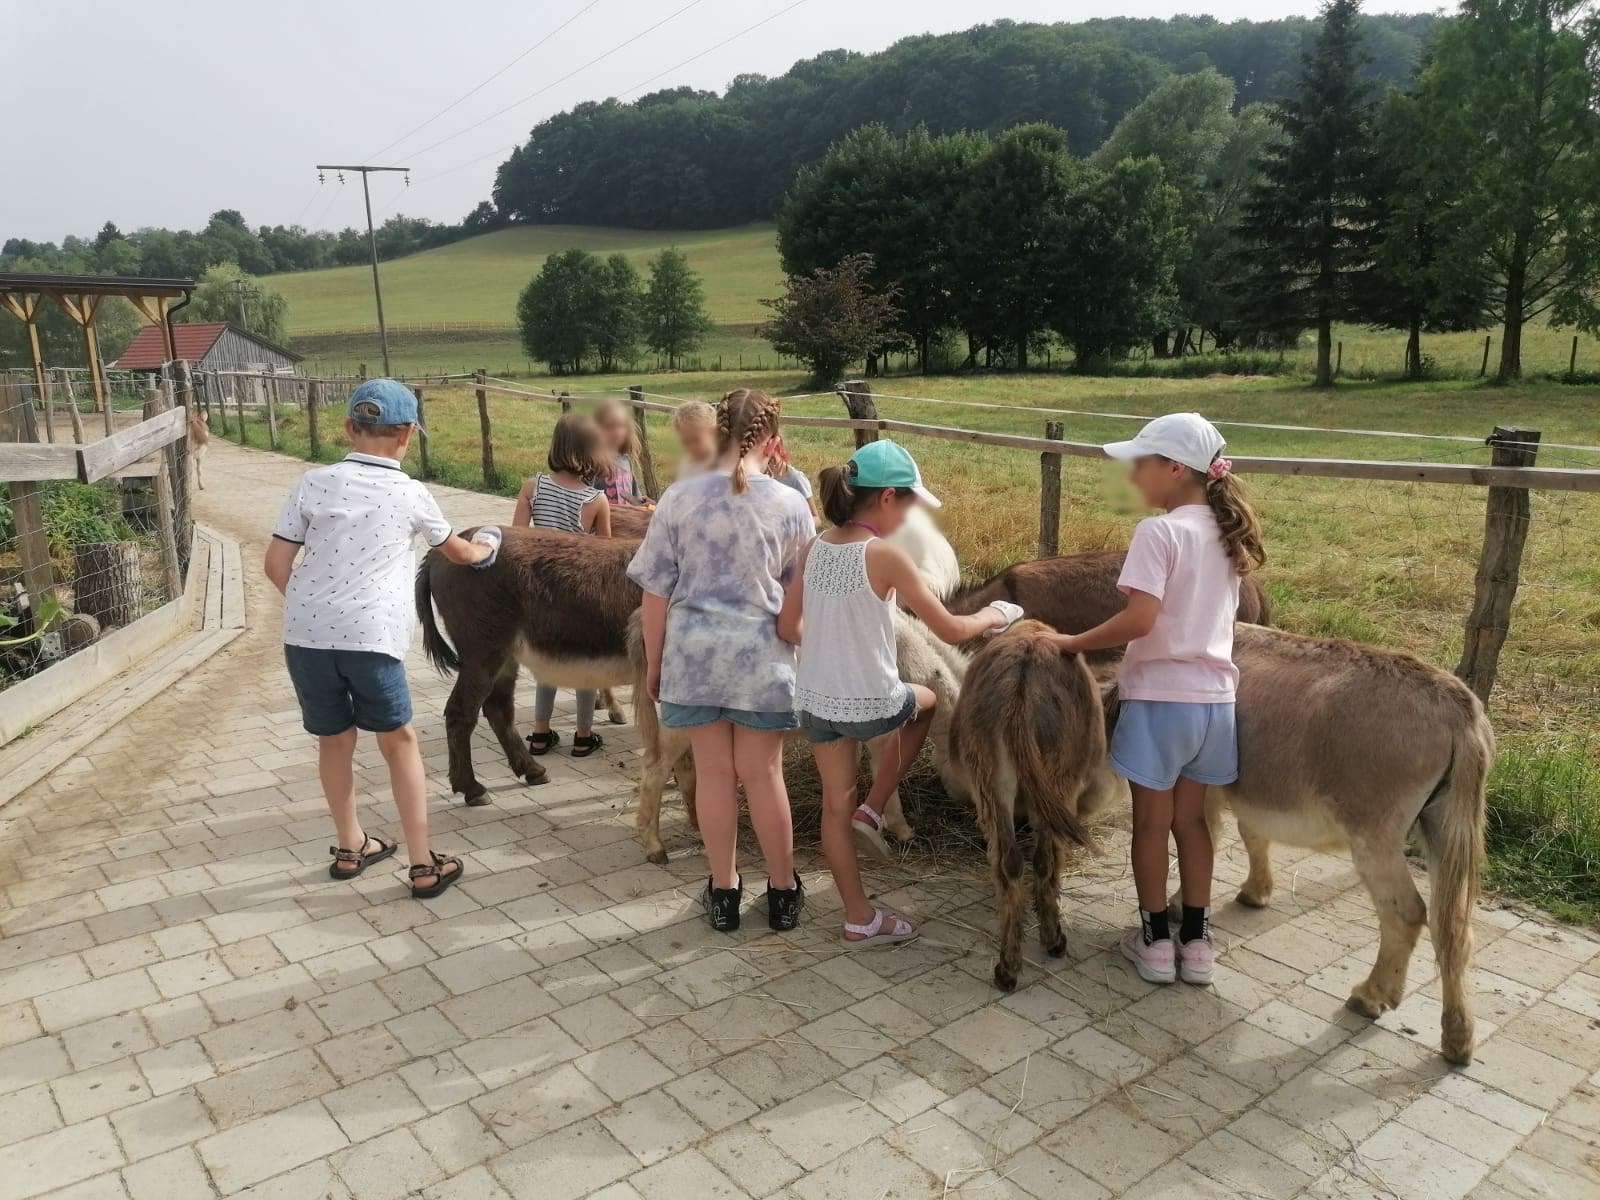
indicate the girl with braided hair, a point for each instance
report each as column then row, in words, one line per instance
column 719, row 552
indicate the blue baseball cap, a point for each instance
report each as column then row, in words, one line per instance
column 393, row 400
column 886, row 464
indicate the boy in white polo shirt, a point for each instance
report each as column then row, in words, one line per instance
column 347, row 621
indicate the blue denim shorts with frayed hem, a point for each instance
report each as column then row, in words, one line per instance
column 692, row 716
column 820, row 730
column 344, row 689
column 1157, row 741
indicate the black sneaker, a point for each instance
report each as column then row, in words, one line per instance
column 722, row 906
column 783, row 906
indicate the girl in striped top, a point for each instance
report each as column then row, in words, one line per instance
column 563, row 500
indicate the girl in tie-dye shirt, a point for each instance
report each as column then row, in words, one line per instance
column 713, row 566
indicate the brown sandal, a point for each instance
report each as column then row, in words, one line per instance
column 360, row 858
column 445, row 878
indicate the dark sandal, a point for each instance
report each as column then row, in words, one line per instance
column 582, row 747
column 362, row 861
column 543, row 743
column 437, row 867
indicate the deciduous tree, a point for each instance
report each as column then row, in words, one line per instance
column 225, row 293
column 832, row 318
column 673, row 309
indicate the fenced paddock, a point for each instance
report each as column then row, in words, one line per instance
column 1375, row 534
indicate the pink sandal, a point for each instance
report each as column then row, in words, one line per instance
column 885, row 929
column 868, row 828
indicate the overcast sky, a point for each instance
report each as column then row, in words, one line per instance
column 162, row 111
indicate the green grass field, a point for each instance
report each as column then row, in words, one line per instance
column 1387, row 563
column 477, row 281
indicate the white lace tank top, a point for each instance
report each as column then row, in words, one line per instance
column 847, row 669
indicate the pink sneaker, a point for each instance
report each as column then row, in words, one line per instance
column 1156, row 962
column 1196, row 961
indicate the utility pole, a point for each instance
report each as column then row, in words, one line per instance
column 372, row 241
column 240, row 287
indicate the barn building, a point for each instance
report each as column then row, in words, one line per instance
column 210, row 346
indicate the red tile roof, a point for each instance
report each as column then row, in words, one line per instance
column 148, row 350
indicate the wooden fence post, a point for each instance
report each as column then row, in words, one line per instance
column 27, row 514
column 1050, row 495
column 857, row 397
column 1505, row 531
column 314, row 402
column 1483, row 369
column 566, row 402
column 155, row 403
column 422, row 422
column 1338, row 362
column 178, row 458
column 1572, row 360
column 272, row 411
column 491, row 477
column 239, row 401
column 647, row 461
column 47, row 402
column 64, row 379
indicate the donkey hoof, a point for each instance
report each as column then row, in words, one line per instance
column 1254, row 899
column 1004, row 979
column 1056, row 948
column 477, row 799
column 619, row 717
column 1370, row 1009
column 535, row 775
column 1456, row 1045
column 657, row 856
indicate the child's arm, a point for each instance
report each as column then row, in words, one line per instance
column 790, row 617
column 653, row 617
column 1138, row 619
column 522, row 515
column 280, row 562
column 596, row 516
column 890, row 564
column 458, row 550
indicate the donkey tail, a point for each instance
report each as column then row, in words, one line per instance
column 1452, row 833
column 440, row 653
column 1051, row 807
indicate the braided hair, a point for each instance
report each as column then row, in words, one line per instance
column 745, row 418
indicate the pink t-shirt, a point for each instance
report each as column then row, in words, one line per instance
column 1188, row 656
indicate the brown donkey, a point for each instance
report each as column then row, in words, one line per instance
column 1029, row 739
column 557, row 603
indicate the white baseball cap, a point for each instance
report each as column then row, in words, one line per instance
column 1187, row 438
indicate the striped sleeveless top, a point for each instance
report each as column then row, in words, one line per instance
column 554, row 506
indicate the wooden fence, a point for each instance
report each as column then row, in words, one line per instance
column 1508, row 479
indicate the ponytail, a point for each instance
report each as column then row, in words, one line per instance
column 1241, row 528
column 839, row 499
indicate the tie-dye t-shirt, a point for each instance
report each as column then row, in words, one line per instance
column 722, row 559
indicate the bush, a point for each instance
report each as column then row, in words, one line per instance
column 75, row 513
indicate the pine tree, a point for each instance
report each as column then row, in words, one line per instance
column 1306, row 229
column 673, row 310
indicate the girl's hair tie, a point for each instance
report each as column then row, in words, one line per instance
column 1221, row 468
column 852, row 468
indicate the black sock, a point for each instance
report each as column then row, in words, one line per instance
column 1196, row 923
column 1155, row 925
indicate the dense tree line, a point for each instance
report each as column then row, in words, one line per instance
column 582, row 311
column 228, row 238
column 1464, row 197
column 683, row 158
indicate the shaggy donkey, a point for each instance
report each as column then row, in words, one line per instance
column 1342, row 744
column 1029, row 740
column 921, row 657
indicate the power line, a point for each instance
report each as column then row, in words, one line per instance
column 486, row 81
column 557, row 82
column 709, row 49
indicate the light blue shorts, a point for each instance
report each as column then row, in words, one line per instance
column 692, row 716
column 1156, row 741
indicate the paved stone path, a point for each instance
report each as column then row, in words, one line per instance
column 190, row 1008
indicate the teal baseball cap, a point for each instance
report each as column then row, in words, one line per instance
column 886, row 464
column 394, row 401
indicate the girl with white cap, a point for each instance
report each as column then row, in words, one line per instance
column 1175, row 733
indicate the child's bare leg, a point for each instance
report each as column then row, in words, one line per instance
column 836, row 767
column 409, row 785
column 716, row 800
column 900, row 750
column 336, row 768
column 758, row 760
column 1193, row 835
column 1152, row 826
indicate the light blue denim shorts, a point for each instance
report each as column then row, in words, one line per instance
column 692, row 716
column 1156, row 741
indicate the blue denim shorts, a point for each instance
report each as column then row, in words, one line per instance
column 340, row 689
column 692, row 716
column 820, row 730
column 1156, row 741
